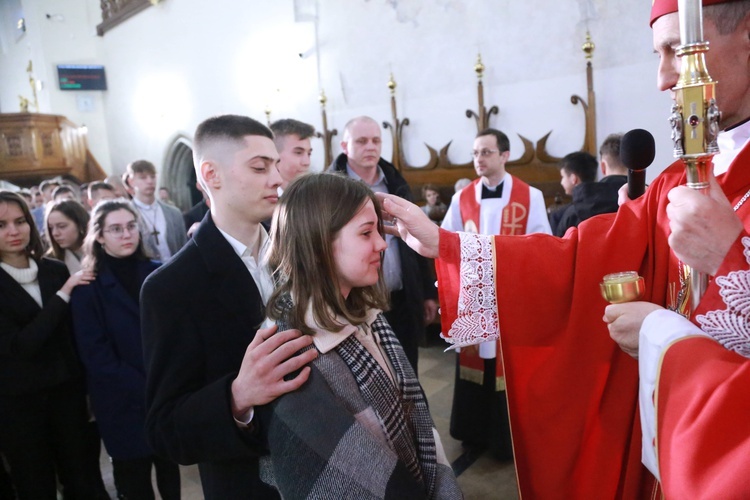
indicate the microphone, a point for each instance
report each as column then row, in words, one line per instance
column 637, row 151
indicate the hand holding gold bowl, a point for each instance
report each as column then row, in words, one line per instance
column 622, row 287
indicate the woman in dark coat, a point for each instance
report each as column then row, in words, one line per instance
column 106, row 321
column 42, row 397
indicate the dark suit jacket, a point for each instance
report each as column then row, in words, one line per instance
column 36, row 344
column 195, row 214
column 590, row 199
column 107, row 327
column 199, row 312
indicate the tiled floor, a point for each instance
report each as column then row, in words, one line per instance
column 486, row 478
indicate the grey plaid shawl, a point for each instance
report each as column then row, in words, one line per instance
column 348, row 432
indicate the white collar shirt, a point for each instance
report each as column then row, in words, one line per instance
column 730, row 144
column 257, row 268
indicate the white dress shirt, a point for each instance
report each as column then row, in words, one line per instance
column 258, row 269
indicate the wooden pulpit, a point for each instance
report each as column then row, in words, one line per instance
column 36, row 146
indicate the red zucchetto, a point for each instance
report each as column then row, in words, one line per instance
column 661, row 7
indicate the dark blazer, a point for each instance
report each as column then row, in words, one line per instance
column 36, row 344
column 107, row 327
column 195, row 214
column 199, row 312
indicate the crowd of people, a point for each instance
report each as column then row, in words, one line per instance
column 72, row 354
column 270, row 333
column 141, row 401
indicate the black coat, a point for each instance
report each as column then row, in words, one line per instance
column 195, row 214
column 590, row 199
column 36, row 343
column 108, row 334
column 199, row 312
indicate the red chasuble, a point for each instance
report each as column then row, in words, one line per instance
column 703, row 429
column 572, row 393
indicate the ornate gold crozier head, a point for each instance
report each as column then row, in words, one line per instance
column 622, row 287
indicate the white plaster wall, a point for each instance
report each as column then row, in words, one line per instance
column 68, row 36
column 173, row 65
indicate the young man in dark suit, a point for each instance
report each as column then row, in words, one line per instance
column 209, row 365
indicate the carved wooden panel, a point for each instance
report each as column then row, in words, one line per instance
column 47, row 146
column 115, row 12
column 14, row 145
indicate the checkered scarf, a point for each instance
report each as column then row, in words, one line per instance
column 402, row 410
column 321, row 438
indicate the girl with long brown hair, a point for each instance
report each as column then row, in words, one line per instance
column 106, row 320
column 42, row 396
column 360, row 426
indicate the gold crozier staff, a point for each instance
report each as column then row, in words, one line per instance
column 695, row 125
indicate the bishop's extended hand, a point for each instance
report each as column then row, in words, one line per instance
column 411, row 224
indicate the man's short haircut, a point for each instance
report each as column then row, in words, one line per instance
column 611, row 146
column 62, row 189
column 503, row 144
column 290, row 126
column 99, row 186
column 610, row 150
column 140, row 167
column 49, row 184
column 727, row 16
column 580, row 163
column 346, row 134
column 227, row 127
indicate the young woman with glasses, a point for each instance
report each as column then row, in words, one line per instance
column 106, row 319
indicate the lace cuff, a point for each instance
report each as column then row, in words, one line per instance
column 731, row 326
column 477, row 317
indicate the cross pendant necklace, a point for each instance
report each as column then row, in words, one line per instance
column 154, row 232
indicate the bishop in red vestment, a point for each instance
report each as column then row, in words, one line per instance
column 572, row 392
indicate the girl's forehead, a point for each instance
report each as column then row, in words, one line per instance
column 6, row 209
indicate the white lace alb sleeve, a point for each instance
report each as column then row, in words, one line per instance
column 731, row 326
column 477, row 319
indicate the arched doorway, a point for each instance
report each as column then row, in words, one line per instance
column 179, row 174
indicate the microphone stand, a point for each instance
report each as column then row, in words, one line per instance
column 695, row 123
